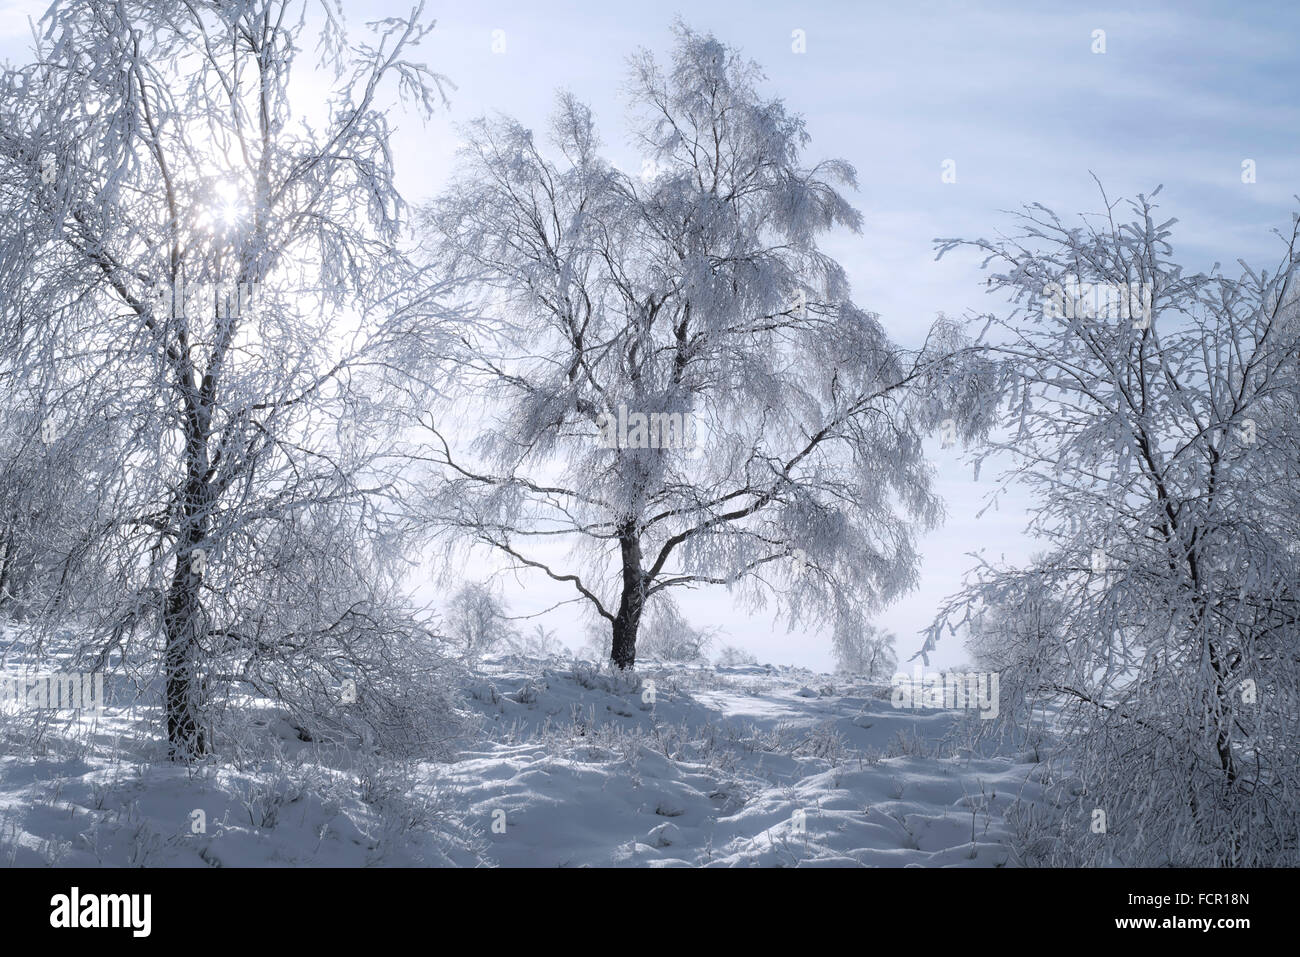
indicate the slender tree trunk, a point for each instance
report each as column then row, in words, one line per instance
column 5, row 564
column 185, row 736
column 182, row 616
column 1223, row 718
column 631, row 601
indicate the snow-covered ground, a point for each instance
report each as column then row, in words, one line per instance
column 564, row 765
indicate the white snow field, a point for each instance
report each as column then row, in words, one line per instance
column 564, row 765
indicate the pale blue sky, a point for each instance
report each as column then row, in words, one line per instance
column 1011, row 92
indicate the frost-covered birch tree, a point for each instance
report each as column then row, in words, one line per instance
column 673, row 385
column 219, row 273
column 1153, row 417
column 866, row 650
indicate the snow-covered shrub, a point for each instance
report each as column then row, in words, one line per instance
column 411, row 818
column 363, row 675
column 910, row 742
column 826, row 742
column 605, row 678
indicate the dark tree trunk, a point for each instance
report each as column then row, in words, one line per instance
column 1223, row 719
column 626, row 624
column 5, row 564
column 631, row 601
column 183, row 614
column 185, row 736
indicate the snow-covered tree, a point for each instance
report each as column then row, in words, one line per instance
column 539, row 642
column 732, row 657
column 866, row 650
column 668, row 635
column 1022, row 634
column 672, row 375
column 50, row 473
column 225, row 281
column 1155, row 418
column 476, row 621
